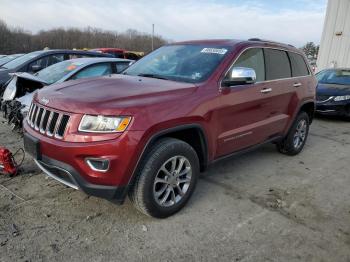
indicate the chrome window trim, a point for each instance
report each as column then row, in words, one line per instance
column 266, row 81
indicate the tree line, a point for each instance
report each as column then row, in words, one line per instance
column 17, row 40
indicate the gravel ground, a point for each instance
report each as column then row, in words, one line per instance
column 261, row 206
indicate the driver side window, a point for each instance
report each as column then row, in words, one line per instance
column 38, row 64
column 253, row 58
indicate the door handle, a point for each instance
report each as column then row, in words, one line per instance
column 297, row 84
column 266, row 90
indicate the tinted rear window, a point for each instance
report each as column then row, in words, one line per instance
column 299, row 67
column 277, row 64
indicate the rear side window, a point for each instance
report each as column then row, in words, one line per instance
column 299, row 67
column 277, row 64
column 253, row 58
column 55, row 58
column 75, row 56
column 121, row 66
column 93, row 71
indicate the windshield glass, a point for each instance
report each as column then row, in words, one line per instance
column 5, row 59
column 334, row 76
column 20, row 60
column 184, row 63
column 55, row 72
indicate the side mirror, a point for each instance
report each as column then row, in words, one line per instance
column 35, row 68
column 240, row 76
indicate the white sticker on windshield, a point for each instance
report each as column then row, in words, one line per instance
column 220, row 51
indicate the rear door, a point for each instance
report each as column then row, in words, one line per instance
column 279, row 79
column 303, row 84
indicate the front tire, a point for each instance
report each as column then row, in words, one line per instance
column 295, row 140
column 167, row 178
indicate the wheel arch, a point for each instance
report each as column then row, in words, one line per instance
column 186, row 133
column 200, row 145
column 309, row 108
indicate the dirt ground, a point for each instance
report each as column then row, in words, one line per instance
column 261, row 206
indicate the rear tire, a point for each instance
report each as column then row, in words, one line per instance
column 295, row 140
column 166, row 178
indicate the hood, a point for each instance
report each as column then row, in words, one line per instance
column 111, row 94
column 4, row 75
column 21, row 84
column 25, row 100
column 333, row 89
column 31, row 77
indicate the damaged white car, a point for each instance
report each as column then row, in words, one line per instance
column 20, row 90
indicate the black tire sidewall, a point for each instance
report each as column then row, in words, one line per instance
column 154, row 161
column 288, row 145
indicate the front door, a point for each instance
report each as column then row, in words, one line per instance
column 254, row 113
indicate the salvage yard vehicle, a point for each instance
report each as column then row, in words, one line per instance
column 38, row 60
column 148, row 132
column 19, row 91
column 333, row 92
column 120, row 53
column 8, row 58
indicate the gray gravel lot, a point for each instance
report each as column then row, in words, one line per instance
column 261, row 206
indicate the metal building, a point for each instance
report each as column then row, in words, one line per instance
column 335, row 42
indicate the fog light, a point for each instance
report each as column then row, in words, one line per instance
column 98, row 164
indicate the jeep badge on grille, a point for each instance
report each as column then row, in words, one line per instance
column 45, row 101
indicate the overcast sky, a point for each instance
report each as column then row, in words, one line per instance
column 293, row 21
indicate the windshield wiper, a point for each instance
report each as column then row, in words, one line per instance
column 154, row 76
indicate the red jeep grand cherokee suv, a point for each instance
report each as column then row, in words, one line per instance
column 150, row 131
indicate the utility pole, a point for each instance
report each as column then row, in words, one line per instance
column 152, row 36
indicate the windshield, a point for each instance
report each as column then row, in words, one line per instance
column 334, row 76
column 55, row 72
column 5, row 59
column 20, row 60
column 184, row 63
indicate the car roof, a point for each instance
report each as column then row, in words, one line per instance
column 234, row 42
column 15, row 55
column 108, row 49
column 68, row 51
column 92, row 60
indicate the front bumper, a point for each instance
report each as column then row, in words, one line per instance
column 332, row 108
column 67, row 175
column 66, row 162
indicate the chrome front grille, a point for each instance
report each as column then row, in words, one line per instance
column 46, row 121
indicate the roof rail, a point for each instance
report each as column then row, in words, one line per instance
column 269, row 41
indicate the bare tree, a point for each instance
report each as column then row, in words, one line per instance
column 17, row 40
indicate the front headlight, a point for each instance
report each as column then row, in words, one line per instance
column 103, row 124
column 10, row 91
column 341, row 98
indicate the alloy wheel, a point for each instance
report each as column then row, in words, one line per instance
column 172, row 181
column 300, row 134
